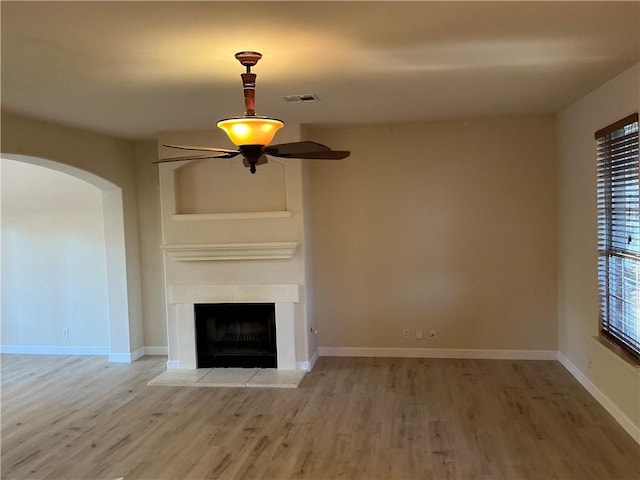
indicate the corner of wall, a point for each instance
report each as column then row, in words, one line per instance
column 615, row 385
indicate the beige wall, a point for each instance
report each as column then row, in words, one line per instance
column 577, row 220
column 447, row 225
column 151, row 266
column 307, row 205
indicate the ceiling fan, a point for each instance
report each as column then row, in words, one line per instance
column 252, row 134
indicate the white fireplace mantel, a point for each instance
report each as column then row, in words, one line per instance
column 231, row 251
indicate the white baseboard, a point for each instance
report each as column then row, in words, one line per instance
column 314, row 359
column 53, row 350
column 136, row 354
column 438, row 353
column 156, row 350
column 126, row 357
column 626, row 423
column 77, row 350
column 120, row 357
column 304, row 366
column 139, row 353
column 173, row 364
column 308, row 365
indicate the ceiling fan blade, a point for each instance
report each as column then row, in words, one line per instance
column 261, row 161
column 322, row 155
column 201, row 149
column 331, row 155
column 196, row 157
column 294, row 149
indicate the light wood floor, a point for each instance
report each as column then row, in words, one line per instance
column 85, row 418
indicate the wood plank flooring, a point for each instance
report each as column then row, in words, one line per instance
column 353, row 418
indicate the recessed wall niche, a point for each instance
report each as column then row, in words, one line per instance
column 226, row 186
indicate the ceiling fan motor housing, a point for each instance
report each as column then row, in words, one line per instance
column 248, row 59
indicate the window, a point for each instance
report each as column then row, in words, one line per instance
column 619, row 233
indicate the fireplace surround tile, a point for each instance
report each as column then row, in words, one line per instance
column 182, row 354
column 200, row 294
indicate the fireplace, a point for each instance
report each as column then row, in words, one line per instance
column 182, row 325
column 235, row 335
column 224, row 246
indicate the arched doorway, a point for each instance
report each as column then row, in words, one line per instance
column 114, row 260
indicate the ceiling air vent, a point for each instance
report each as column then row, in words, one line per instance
column 304, row 98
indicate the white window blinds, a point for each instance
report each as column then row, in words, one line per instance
column 619, row 233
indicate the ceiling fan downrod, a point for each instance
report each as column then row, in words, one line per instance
column 249, row 59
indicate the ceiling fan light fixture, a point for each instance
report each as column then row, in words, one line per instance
column 253, row 134
column 250, row 130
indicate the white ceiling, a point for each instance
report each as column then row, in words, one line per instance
column 131, row 69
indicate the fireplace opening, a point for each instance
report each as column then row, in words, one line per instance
column 236, row 335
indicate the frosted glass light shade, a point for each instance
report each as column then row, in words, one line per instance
column 250, row 130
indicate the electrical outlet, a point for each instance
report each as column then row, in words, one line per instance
column 419, row 334
column 405, row 333
column 432, row 334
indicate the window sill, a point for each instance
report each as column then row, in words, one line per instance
column 619, row 352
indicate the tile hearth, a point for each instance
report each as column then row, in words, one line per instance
column 229, row 377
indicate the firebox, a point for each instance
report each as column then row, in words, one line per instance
column 236, row 335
